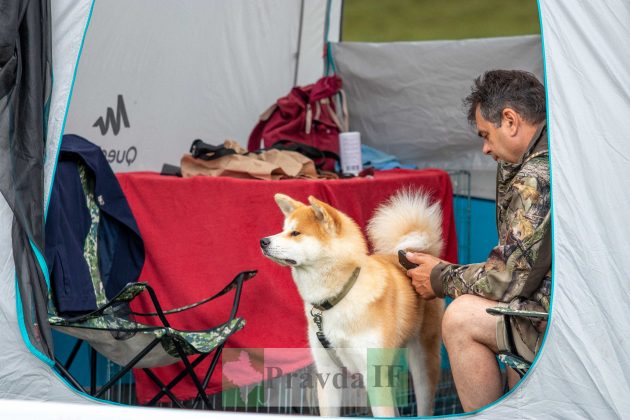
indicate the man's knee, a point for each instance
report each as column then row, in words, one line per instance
column 457, row 317
column 466, row 319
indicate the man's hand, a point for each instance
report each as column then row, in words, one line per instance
column 421, row 275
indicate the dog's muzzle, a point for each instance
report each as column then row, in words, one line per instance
column 264, row 245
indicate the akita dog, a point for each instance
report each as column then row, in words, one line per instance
column 355, row 301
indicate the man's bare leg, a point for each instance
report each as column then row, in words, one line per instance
column 470, row 337
column 512, row 377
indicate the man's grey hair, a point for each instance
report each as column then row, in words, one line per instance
column 496, row 90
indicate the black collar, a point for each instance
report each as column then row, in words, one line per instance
column 329, row 303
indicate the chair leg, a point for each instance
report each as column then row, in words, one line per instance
column 64, row 372
column 519, row 365
column 92, row 371
column 209, row 372
column 176, row 380
column 164, row 390
column 200, row 389
column 73, row 354
column 127, row 368
column 64, row 369
column 521, row 372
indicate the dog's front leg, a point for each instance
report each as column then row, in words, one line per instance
column 328, row 394
column 329, row 400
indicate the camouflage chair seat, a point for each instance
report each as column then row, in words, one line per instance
column 113, row 330
column 511, row 357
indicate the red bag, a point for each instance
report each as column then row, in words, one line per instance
column 306, row 115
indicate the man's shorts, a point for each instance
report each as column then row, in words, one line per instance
column 526, row 337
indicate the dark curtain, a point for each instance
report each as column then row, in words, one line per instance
column 25, row 83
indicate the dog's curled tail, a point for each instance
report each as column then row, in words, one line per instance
column 407, row 220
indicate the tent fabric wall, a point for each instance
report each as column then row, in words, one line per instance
column 153, row 79
column 406, row 97
column 25, row 85
column 22, row 375
column 583, row 369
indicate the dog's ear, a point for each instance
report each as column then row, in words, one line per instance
column 287, row 204
column 326, row 215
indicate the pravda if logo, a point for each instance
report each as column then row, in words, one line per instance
column 256, row 378
column 113, row 119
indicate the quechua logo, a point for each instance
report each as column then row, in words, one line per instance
column 113, row 119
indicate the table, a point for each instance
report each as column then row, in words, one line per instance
column 200, row 232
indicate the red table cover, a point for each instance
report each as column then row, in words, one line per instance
column 200, row 232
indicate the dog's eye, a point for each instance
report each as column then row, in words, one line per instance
column 295, row 233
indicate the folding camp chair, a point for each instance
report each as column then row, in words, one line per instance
column 87, row 254
column 111, row 331
column 510, row 357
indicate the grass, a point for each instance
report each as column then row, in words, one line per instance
column 414, row 20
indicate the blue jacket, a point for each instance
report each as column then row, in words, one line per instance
column 120, row 247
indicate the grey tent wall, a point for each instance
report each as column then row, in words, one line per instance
column 406, row 97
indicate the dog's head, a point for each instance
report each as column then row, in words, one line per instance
column 311, row 233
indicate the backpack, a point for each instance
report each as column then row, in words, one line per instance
column 306, row 115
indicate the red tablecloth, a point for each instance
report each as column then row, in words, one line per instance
column 200, row 232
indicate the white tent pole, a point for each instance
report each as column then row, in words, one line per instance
column 299, row 43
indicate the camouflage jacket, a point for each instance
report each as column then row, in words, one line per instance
column 523, row 221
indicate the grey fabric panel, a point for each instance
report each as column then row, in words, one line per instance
column 406, row 98
column 483, row 184
column 25, row 71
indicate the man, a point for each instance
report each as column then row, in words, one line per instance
column 508, row 109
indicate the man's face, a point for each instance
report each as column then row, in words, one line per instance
column 497, row 141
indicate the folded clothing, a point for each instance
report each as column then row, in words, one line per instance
column 381, row 160
column 232, row 160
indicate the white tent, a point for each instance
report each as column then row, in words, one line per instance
column 582, row 369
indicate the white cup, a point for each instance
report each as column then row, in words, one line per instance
column 350, row 151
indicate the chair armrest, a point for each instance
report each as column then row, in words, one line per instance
column 515, row 312
column 236, row 283
column 127, row 294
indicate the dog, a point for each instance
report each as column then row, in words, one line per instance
column 374, row 305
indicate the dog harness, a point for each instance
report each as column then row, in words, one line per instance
column 325, row 305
